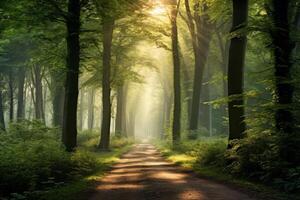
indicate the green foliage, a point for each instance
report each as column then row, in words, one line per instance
column 254, row 158
column 258, row 158
column 32, row 159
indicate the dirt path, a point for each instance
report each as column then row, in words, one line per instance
column 142, row 174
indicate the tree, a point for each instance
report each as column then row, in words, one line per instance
column 108, row 26
column 284, row 90
column 200, row 29
column 38, row 86
column 69, row 130
column 236, row 63
column 21, row 84
column 176, row 69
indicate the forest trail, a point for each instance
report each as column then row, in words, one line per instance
column 142, row 174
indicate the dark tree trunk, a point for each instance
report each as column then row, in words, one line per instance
column 108, row 27
column 2, row 123
column 119, row 115
column 39, row 104
column 69, row 132
column 284, row 89
column 177, row 88
column 236, row 62
column 11, row 96
column 21, row 84
column 91, row 109
column 201, row 43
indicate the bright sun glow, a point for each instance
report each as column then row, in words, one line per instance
column 158, row 10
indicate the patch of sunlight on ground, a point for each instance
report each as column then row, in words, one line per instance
column 182, row 159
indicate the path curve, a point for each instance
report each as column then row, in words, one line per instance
column 142, row 174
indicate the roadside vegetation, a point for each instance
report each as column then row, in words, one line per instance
column 35, row 165
column 251, row 164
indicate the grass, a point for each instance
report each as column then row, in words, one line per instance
column 188, row 159
column 78, row 189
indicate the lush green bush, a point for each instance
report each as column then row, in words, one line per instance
column 255, row 158
column 32, row 158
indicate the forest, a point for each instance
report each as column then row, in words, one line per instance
column 149, row 99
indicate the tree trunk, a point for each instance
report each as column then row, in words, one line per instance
column 21, row 84
column 91, row 109
column 236, row 62
column 2, row 123
column 201, row 49
column 177, row 87
column 284, row 89
column 39, row 107
column 108, row 27
column 11, row 96
column 119, row 115
column 69, row 132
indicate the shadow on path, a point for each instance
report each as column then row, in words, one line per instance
column 142, row 174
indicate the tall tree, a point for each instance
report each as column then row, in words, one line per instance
column 11, row 94
column 2, row 122
column 236, row 62
column 200, row 29
column 39, row 100
column 176, row 128
column 284, row 89
column 69, row 131
column 21, row 84
column 108, row 27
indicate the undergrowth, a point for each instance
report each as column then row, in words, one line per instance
column 33, row 160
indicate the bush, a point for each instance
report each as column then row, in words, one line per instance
column 32, row 158
column 257, row 157
column 211, row 153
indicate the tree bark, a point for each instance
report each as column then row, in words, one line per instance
column 284, row 89
column 108, row 27
column 201, row 45
column 2, row 122
column 69, row 132
column 91, row 109
column 39, row 107
column 21, row 84
column 176, row 128
column 236, row 62
column 119, row 115
column 11, row 95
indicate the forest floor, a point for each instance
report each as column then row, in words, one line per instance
column 143, row 174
